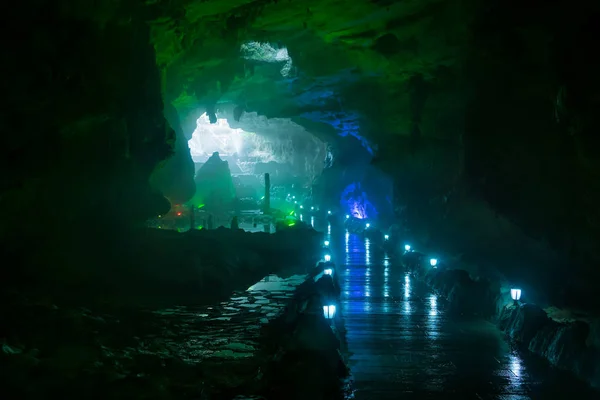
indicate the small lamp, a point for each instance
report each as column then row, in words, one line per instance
column 328, row 271
column 347, row 216
column 515, row 294
column 329, row 212
column 433, row 262
column 367, row 225
column 312, row 208
column 386, row 237
column 327, row 257
column 326, row 243
column 329, row 311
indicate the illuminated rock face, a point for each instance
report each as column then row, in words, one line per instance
column 174, row 177
column 255, row 139
column 214, row 185
column 467, row 105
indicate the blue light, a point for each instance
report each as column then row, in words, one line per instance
column 328, row 271
column 515, row 294
column 367, row 225
column 355, row 200
column 347, row 216
column 329, row 212
column 433, row 262
column 407, row 247
column 329, row 311
column 386, row 237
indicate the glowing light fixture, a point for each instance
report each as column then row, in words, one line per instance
column 327, row 257
column 326, row 243
column 329, row 212
column 312, row 208
column 295, row 201
column 515, row 294
column 301, row 206
column 433, row 262
column 367, row 225
column 347, row 216
column 407, row 247
column 328, row 271
column 386, row 237
column 179, row 214
column 329, row 311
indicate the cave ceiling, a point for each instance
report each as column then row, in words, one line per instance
column 351, row 62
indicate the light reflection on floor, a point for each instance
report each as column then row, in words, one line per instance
column 404, row 344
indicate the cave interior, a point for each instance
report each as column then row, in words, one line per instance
column 470, row 124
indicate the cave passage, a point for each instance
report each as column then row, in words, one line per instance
column 164, row 154
column 404, row 342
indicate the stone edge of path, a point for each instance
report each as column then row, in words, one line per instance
column 308, row 352
column 568, row 346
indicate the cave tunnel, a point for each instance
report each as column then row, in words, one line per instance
column 160, row 157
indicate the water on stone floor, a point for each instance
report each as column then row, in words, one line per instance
column 228, row 330
column 403, row 344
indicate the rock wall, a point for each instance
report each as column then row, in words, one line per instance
column 508, row 186
column 174, row 177
column 309, row 361
column 84, row 132
column 570, row 345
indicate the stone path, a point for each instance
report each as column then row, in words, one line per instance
column 404, row 345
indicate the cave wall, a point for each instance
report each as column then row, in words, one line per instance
column 531, row 125
column 174, row 177
column 84, row 131
column 483, row 112
column 508, row 186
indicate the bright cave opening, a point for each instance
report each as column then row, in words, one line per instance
column 231, row 159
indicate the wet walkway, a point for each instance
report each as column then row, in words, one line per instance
column 404, row 345
column 229, row 330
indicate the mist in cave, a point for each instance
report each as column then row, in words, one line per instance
column 283, row 199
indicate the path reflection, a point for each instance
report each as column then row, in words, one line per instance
column 404, row 344
column 432, row 325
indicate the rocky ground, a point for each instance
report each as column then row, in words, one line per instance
column 152, row 350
